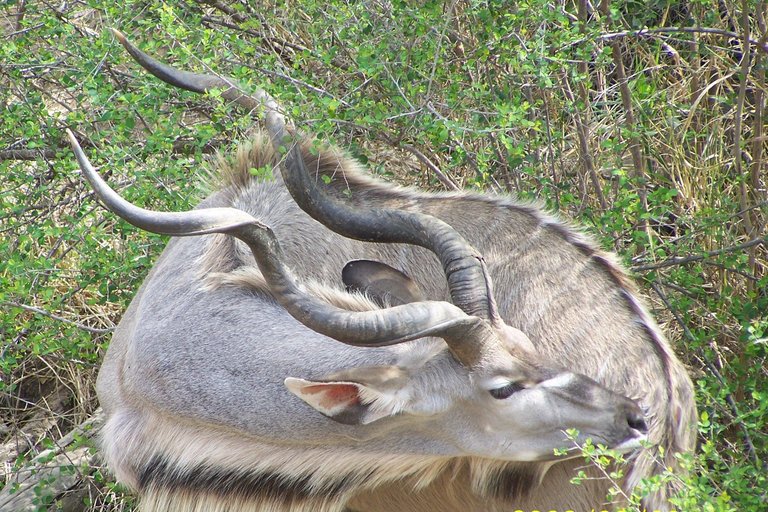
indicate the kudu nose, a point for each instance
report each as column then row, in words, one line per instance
column 636, row 419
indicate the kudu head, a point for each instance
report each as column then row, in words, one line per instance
column 491, row 381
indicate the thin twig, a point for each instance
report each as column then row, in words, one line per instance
column 444, row 179
column 582, row 122
column 746, row 59
column 698, row 257
column 303, row 84
column 635, row 148
column 27, row 154
column 221, row 6
column 758, row 162
column 504, row 169
column 582, row 132
column 762, row 45
column 38, row 311
column 452, row 140
column 22, row 9
column 273, row 40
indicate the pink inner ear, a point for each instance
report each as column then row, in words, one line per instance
column 334, row 394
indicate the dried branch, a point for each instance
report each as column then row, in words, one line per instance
column 444, row 179
column 441, row 176
column 272, row 40
column 303, row 84
column 758, row 162
column 746, row 59
column 38, row 311
column 582, row 125
column 635, row 149
column 698, row 257
column 643, row 32
column 27, row 154
column 229, row 11
column 180, row 146
column 20, row 11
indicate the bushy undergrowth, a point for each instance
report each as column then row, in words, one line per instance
column 642, row 120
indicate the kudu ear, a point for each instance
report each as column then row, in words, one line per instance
column 355, row 397
column 387, row 286
column 516, row 342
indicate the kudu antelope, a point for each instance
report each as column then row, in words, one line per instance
column 252, row 373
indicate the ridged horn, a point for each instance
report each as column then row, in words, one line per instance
column 468, row 281
column 466, row 335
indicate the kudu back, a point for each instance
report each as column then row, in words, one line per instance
column 359, row 346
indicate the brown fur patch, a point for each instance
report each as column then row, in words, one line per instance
column 251, row 278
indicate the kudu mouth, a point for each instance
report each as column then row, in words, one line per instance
column 630, row 427
column 587, row 410
column 637, row 426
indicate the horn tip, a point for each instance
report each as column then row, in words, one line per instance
column 72, row 140
column 119, row 35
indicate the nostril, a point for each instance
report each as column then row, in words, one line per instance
column 636, row 421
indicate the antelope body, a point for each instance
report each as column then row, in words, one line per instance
column 225, row 390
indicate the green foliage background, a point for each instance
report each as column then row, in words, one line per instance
column 655, row 141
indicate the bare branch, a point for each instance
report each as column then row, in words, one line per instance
column 441, row 176
column 698, row 257
column 229, row 11
column 759, row 44
column 272, row 40
column 38, row 311
column 635, row 148
column 27, row 154
column 444, row 179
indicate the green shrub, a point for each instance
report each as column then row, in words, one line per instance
column 524, row 98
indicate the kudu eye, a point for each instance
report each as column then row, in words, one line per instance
column 506, row 391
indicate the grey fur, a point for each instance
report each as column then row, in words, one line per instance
column 201, row 384
column 203, row 349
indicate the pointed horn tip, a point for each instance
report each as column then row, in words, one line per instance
column 82, row 161
column 72, row 140
column 119, row 35
column 86, row 168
